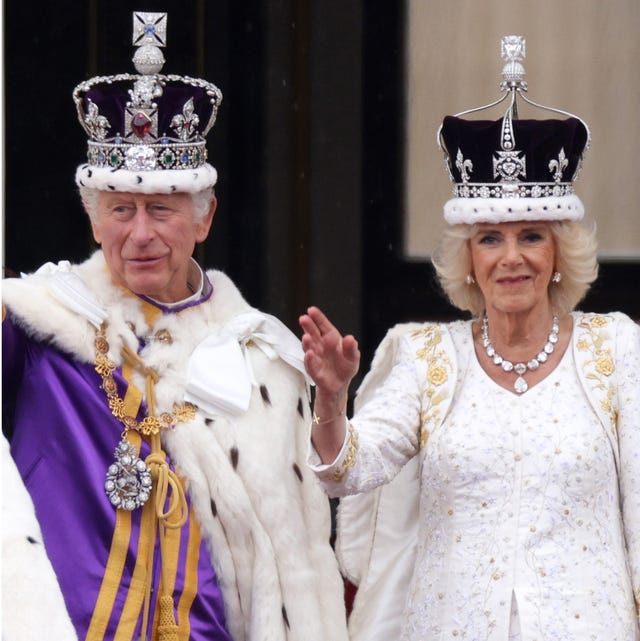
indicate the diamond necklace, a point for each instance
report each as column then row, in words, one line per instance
column 520, row 384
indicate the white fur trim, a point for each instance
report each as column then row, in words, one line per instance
column 32, row 605
column 166, row 181
column 268, row 533
column 503, row 210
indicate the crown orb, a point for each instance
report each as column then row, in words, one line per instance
column 148, row 60
column 513, row 71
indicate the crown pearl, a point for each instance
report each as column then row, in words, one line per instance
column 148, row 60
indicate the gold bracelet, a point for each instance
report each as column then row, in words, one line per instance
column 321, row 421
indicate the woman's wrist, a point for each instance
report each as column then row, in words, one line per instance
column 329, row 407
column 321, row 420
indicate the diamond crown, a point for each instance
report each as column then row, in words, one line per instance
column 147, row 121
column 496, row 165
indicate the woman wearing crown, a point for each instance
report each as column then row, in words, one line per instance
column 504, row 448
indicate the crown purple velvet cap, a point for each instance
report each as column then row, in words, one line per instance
column 112, row 98
column 146, row 132
column 507, row 170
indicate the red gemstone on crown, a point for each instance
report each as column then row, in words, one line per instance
column 141, row 124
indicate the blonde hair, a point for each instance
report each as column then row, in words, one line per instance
column 576, row 260
column 201, row 201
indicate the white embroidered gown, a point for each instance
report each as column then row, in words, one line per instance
column 521, row 533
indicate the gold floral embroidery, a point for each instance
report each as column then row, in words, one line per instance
column 600, row 366
column 437, row 375
column 438, row 372
column 605, row 366
column 350, row 458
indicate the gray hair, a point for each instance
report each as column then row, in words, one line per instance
column 576, row 260
column 201, row 201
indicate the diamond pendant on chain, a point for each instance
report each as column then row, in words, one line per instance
column 520, row 385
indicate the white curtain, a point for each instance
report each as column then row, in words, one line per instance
column 582, row 56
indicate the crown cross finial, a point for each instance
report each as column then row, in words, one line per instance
column 149, row 29
column 149, row 33
column 513, row 50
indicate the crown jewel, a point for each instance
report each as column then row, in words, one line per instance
column 149, row 121
column 533, row 161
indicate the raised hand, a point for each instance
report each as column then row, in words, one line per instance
column 331, row 359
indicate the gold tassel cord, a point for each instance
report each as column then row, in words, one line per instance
column 131, row 358
column 167, row 628
column 167, row 491
column 168, row 487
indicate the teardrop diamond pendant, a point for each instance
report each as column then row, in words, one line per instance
column 520, row 385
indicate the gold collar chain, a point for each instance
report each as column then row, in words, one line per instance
column 151, row 424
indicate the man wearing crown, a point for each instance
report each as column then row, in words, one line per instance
column 157, row 421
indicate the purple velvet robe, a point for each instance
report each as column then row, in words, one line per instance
column 63, row 439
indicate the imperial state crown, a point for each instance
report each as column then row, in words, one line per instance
column 146, row 131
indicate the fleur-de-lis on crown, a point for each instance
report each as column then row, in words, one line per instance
column 464, row 166
column 558, row 166
column 185, row 123
column 96, row 124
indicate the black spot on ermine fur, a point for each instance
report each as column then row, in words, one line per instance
column 234, row 455
column 285, row 617
column 264, row 392
column 214, row 508
column 296, row 469
column 300, row 408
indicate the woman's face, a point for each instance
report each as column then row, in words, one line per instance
column 512, row 264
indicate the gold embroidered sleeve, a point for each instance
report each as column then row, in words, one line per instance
column 350, row 458
column 438, row 376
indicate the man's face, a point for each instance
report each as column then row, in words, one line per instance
column 148, row 240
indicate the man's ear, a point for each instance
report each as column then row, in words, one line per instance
column 95, row 230
column 204, row 225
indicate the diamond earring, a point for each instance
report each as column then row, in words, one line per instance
column 556, row 278
column 470, row 280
